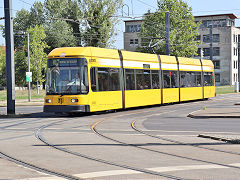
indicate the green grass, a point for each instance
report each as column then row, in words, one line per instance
column 224, row 89
column 23, row 94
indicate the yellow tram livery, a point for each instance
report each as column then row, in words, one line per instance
column 89, row 79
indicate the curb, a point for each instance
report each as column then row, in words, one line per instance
column 213, row 116
column 233, row 141
column 14, row 115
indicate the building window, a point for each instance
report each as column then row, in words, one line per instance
column 216, row 64
column 217, row 77
column 198, row 38
column 133, row 28
column 206, row 38
column 199, row 52
column 131, row 41
column 216, row 51
column 206, row 51
column 136, row 41
column 215, row 23
column 216, row 38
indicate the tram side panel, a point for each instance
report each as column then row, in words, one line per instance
column 170, row 79
column 106, row 93
column 142, row 79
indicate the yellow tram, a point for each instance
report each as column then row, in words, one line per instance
column 89, row 79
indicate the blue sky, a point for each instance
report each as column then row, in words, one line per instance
column 139, row 7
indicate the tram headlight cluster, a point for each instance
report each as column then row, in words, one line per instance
column 74, row 100
column 48, row 101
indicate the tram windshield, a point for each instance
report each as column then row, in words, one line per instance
column 67, row 76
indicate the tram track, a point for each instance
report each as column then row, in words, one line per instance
column 39, row 135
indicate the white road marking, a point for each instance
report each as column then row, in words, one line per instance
column 157, row 169
column 128, row 172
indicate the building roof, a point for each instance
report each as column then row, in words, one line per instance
column 231, row 15
column 134, row 20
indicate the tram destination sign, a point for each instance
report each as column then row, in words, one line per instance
column 63, row 62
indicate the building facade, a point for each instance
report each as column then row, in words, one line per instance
column 225, row 43
column 131, row 39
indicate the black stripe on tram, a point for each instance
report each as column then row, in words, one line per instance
column 122, row 78
column 179, row 87
column 160, row 77
column 202, row 78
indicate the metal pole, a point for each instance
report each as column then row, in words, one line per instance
column 10, row 69
column 211, row 42
column 239, row 60
column 167, row 25
column 29, row 83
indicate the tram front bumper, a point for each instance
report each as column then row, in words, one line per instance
column 66, row 108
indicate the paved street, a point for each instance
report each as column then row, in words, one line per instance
column 158, row 142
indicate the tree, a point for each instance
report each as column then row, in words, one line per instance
column 183, row 29
column 21, row 67
column 99, row 21
column 38, row 57
column 60, row 34
column 2, row 67
column 64, row 10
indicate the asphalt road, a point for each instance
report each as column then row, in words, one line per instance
column 158, row 142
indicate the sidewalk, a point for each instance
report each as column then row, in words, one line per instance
column 24, row 102
column 225, row 112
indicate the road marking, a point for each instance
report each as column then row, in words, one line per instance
column 157, row 169
column 128, row 172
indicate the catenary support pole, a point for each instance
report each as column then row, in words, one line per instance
column 167, row 29
column 10, row 69
column 29, row 83
column 211, row 41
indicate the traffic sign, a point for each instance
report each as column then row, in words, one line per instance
column 29, row 76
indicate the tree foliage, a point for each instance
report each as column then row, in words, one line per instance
column 2, row 67
column 21, row 67
column 183, row 29
column 38, row 57
column 99, row 21
column 60, row 34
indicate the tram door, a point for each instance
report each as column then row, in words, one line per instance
column 106, row 93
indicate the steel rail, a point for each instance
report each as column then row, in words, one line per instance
column 41, row 138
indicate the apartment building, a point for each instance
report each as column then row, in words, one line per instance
column 225, row 43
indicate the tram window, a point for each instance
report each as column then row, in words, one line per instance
column 185, row 80
column 170, row 79
column 174, row 79
column 93, row 79
column 147, row 81
column 130, row 79
column 190, row 79
column 103, row 79
column 166, row 79
column 208, row 79
column 114, row 79
column 155, row 79
column 198, row 79
column 140, row 79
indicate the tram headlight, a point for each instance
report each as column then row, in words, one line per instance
column 48, row 101
column 74, row 100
